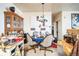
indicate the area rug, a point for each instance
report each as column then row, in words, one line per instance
column 54, row 45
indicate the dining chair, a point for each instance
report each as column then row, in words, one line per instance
column 46, row 44
column 31, row 43
column 4, row 43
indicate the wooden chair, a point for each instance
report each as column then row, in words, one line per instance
column 46, row 44
column 30, row 43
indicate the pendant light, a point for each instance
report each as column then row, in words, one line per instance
column 42, row 18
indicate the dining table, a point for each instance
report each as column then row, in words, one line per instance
column 38, row 39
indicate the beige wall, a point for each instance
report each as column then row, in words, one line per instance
column 64, row 19
column 58, row 17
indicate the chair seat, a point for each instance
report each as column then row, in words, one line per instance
column 45, row 44
column 31, row 43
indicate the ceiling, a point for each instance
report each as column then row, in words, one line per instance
column 53, row 7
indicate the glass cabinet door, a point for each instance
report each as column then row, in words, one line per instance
column 21, row 23
column 8, row 21
column 8, row 24
column 15, row 23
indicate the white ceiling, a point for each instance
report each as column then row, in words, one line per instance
column 54, row 7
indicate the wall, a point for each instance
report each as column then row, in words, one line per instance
column 58, row 17
column 29, row 16
column 2, row 9
column 66, row 20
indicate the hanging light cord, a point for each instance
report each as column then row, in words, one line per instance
column 43, row 10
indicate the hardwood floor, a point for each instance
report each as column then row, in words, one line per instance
column 56, row 52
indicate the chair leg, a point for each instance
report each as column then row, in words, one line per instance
column 25, row 52
column 46, row 50
column 45, row 53
column 49, row 50
column 21, row 51
column 33, row 47
column 34, row 50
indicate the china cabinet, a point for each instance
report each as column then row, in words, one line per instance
column 12, row 22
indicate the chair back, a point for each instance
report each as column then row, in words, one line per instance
column 47, row 41
column 29, row 39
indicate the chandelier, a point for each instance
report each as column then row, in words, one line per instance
column 42, row 18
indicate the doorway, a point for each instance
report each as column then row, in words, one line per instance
column 57, row 29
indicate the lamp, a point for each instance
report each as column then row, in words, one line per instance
column 42, row 18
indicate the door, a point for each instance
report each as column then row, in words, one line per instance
column 57, row 29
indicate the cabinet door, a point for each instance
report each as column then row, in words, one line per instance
column 7, row 24
column 15, row 23
column 21, row 23
column 12, row 22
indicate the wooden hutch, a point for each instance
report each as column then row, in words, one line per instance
column 12, row 22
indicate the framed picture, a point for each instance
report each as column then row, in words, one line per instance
column 75, row 21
